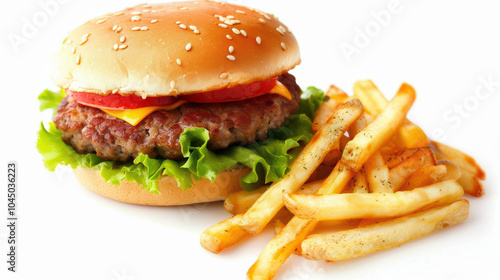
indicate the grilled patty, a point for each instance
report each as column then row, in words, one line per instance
column 90, row 130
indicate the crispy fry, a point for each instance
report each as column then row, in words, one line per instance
column 408, row 135
column 377, row 174
column 395, row 156
column 239, row 202
column 471, row 184
column 372, row 205
column 222, row 235
column 464, row 161
column 365, row 144
column 453, row 172
column 424, row 176
column 399, row 174
column 360, row 185
column 384, row 235
column 259, row 215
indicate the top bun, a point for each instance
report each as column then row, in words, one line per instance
column 174, row 49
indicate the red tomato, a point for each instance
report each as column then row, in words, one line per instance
column 233, row 94
column 116, row 101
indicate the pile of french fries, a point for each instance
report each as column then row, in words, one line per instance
column 366, row 167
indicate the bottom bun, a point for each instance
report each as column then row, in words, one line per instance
column 170, row 194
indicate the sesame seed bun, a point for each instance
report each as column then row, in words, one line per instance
column 174, row 49
column 201, row 191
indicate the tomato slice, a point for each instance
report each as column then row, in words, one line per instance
column 116, row 101
column 120, row 102
column 233, row 94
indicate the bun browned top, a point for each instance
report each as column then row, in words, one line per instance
column 174, row 49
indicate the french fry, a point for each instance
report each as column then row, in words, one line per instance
column 334, row 97
column 360, row 185
column 290, row 237
column 377, row 174
column 259, row 215
column 424, row 176
column 222, row 235
column 471, row 184
column 239, row 202
column 334, row 155
column 453, row 172
column 399, row 174
column 395, row 156
column 365, row 144
column 372, row 205
column 464, row 161
column 384, row 235
column 408, row 135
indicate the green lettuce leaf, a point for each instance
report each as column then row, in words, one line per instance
column 268, row 160
column 50, row 100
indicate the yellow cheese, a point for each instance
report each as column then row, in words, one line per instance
column 280, row 89
column 135, row 116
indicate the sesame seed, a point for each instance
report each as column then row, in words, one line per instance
column 122, row 39
column 136, row 13
column 222, row 25
column 182, row 25
column 84, row 40
column 236, row 31
column 183, row 8
column 258, row 40
column 178, row 61
column 122, row 47
column 279, row 30
column 192, row 27
column 178, row 22
column 196, row 31
column 230, row 17
column 172, row 84
column 119, row 29
column 231, row 57
column 243, row 32
column 229, row 37
column 146, row 11
column 223, row 75
column 240, row 12
column 136, row 28
column 231, row 49
column 154, row 21
column 283, row 46
column 267, row 16
column 101, row 20
column 144, row 28
column 115, row 47
column 73, row 50
column 115, row 27
column 188, row 46
column 118, row 13
column 78, row 59
column 262, row 20
column 135, row 18
column 147, row 6
column 229, row 22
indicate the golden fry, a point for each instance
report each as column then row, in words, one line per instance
column 384, row 235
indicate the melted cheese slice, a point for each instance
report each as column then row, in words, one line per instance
column 135, row 116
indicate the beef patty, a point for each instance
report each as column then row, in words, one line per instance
column 90, row 130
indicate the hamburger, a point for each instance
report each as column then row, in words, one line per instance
column 175, row 103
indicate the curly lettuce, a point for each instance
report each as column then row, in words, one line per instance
column 268, row 160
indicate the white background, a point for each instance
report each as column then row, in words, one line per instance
column 445, row 50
